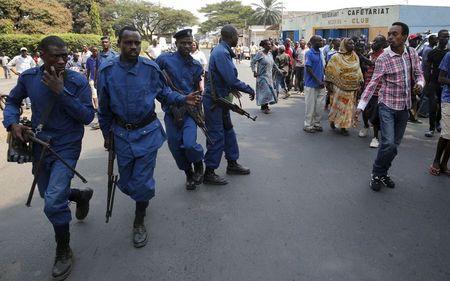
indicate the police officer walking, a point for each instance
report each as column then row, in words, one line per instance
column 63, row 98
column 222, row 79
column 127, row 87
column 185, row 74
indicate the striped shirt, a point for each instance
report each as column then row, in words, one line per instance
column 393, row 70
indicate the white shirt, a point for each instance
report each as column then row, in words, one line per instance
column 5, row 60
column 40, row 62
column 154, row 52
column 253, row 50
column 22, row 63
column 84, row 56
column 200, row 57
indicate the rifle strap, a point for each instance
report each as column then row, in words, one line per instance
column 45, row 115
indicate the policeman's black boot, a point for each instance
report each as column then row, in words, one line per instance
column 190, row 183
column 82, row 198
column 212, row 178
column 139, row 230
column 234, row 168
column 198, row 172
column 63, row 260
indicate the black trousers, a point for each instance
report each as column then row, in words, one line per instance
column 300, row 75
column 434, row 102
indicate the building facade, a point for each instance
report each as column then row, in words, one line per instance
column 367, row 21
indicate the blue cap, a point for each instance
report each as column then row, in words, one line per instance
column 183, row 33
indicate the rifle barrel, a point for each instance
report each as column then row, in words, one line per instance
column 46, row 145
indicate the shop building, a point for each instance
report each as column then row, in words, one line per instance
column 367, row 21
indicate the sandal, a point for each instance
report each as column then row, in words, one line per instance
column 434, row 171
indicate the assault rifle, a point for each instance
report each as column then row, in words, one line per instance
column 112, row 179
column 46, row 148
column 195, row 112
column 226, row 104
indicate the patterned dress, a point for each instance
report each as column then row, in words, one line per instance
column 263, row 64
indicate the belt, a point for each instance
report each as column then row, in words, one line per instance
column 130, row 127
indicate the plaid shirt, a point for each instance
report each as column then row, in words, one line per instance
column 393, row 70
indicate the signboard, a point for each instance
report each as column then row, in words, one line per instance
column 370, row 16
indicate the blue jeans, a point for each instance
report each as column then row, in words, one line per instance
column 392, row 126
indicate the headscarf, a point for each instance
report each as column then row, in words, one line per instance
column 343, row 69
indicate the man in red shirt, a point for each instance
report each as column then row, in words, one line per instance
column 290, row 53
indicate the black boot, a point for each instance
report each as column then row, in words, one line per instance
column 198, row 172
column 63, row 260
column 190, row 183
column 234, row 168
column 139, row 230
column 81, row 197
column 212, row 178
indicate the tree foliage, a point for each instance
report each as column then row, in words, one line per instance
column 83, row 20
column 150, row 19
column 269, row 12
column 226, row 12
column 94, row 15
column 11, row 43
column 34, row 16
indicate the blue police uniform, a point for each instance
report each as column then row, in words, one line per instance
column 64, row 127
column 218, row 120
column 127, row 92
column 110, row 54
column 185, row 74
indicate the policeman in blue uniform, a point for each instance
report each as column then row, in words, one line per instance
column 218, row 121
column 186, row 74
column 107, row 53
column 70, row 94
column 128, row 86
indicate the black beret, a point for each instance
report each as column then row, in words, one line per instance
column 183, row 33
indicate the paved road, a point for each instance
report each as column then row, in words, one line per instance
column 305, row 213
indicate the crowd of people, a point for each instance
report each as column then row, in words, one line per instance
column 386, row 81
column 345, row 76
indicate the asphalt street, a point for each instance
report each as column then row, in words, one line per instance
column 305, row 213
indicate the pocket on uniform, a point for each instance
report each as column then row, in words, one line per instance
column 149, row 138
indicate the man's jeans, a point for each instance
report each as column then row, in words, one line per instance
column 393, row 126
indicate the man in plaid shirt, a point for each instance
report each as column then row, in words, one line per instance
column 393, row 68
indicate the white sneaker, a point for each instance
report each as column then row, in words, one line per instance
column 363, row 132
column 374, row 143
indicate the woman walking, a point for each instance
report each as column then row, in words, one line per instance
column 262, row 66
column 344, row 78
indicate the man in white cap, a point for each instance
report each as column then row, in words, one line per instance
column 21, row 63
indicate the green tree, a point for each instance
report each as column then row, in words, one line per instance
column 150, row 19
column 82, row 14
column 35, row 16
column 94, row 15
column 226, row 12
column 6, row 26
column 269, row 12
